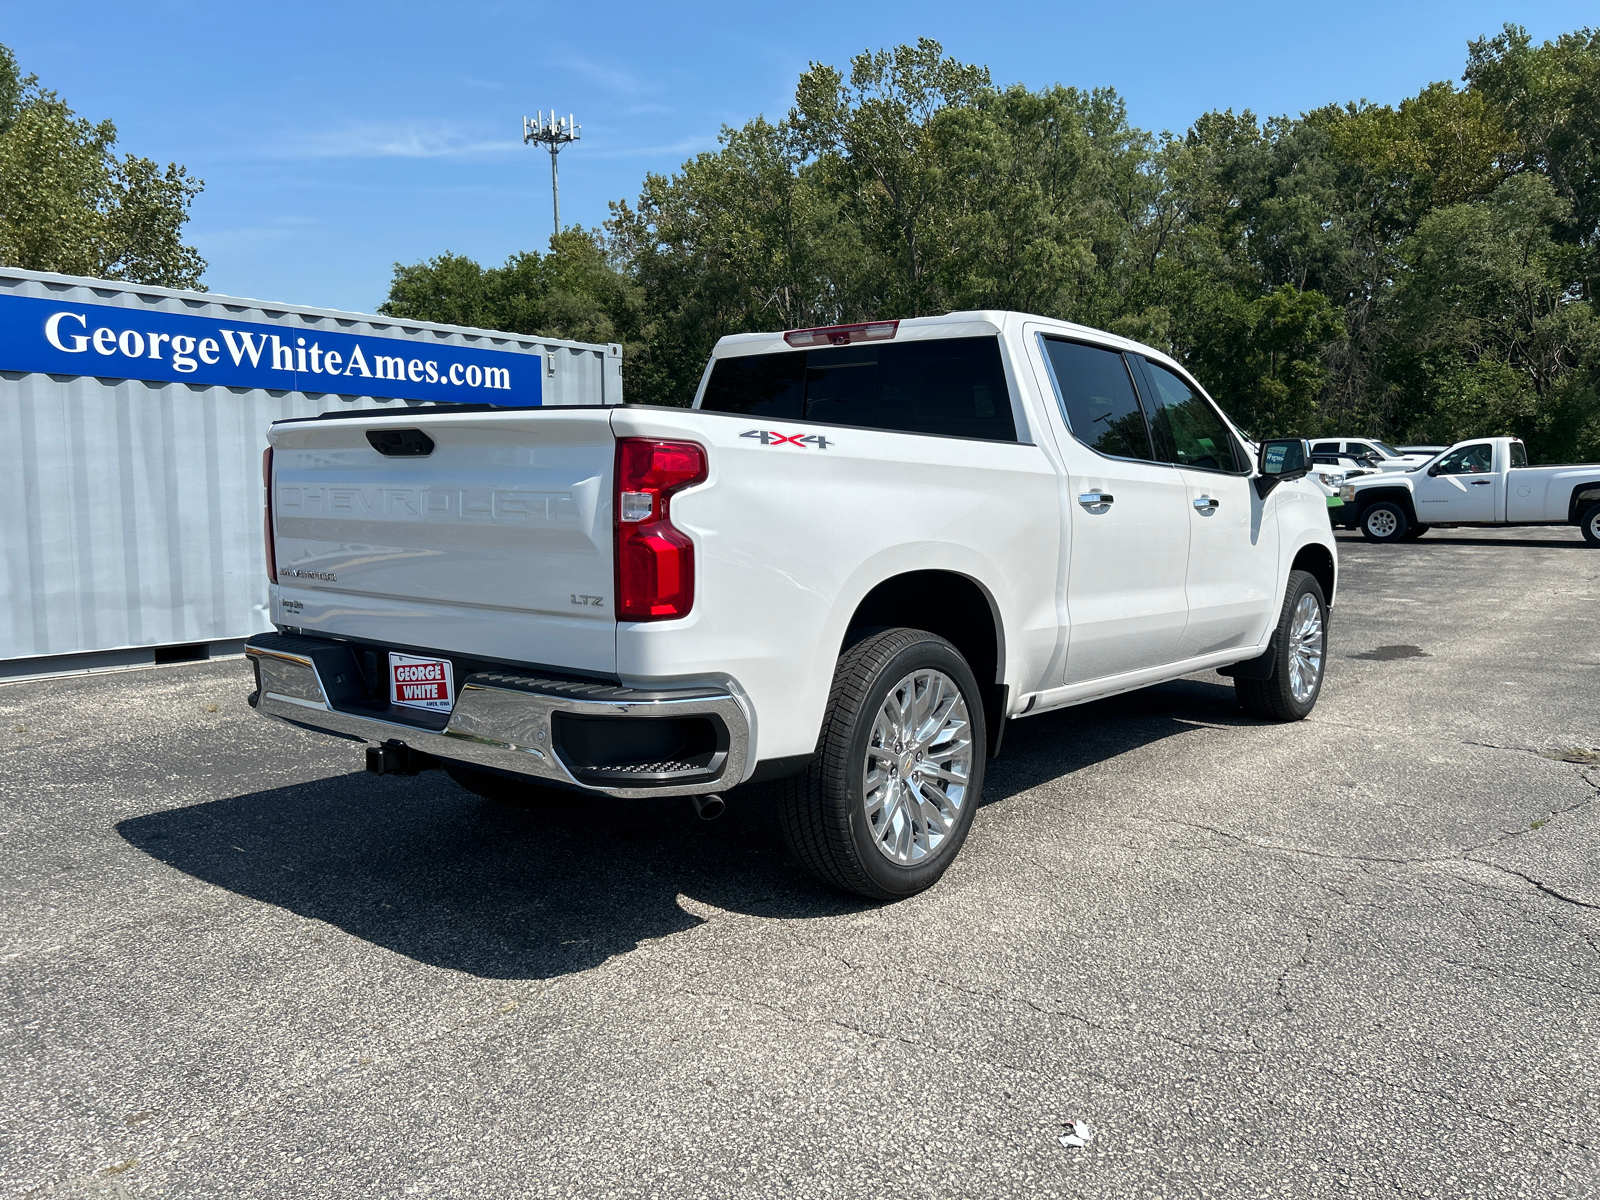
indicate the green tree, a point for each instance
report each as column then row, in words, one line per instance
column 1494, row 339
column 1549, row 97
column 68, row 203
column 1421, row 268
column 877, row 134
column 747, row 237
column 574, row 293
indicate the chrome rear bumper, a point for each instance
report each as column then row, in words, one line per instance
column 501, row 719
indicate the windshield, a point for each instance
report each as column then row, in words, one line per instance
column 1388, row 449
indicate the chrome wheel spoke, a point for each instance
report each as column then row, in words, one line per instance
column 937, row 819
column 934, row 725
column 938, row 797
column 922, row 698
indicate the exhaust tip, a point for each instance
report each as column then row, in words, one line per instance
column 710, row 806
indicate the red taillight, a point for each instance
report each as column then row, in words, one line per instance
column 266, row 519
column 655, row 562
column 843, row 335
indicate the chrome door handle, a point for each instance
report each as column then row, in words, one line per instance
column 1482, row 482
column 1094, row 499
column 1206, row 503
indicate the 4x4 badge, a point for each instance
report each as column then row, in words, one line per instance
column 771, row 437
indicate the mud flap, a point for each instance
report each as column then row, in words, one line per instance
column 1263, row 666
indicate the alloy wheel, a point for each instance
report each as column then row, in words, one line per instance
column 1306, row 648
column 918, row 763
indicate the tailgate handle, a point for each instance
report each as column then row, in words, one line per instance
column 400, row 443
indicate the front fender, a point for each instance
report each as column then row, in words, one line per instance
column 1398, row 491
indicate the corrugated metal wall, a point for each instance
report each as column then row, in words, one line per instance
column 132, row 511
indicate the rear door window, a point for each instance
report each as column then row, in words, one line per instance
column 1519, row 454
column 1325, row 448
column 950, row 386
column 1097, row 398
column 1188, row 431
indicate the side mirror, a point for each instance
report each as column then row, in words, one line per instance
column 1281, row 460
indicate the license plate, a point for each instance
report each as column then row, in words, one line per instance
column 421, row 682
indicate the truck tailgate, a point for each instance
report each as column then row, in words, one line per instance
column 497, row 543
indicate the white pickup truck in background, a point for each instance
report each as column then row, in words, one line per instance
column 863, row 551
column 1370, row 452
column 1329, row 470
column 1485, row 481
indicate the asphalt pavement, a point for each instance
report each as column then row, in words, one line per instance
column 1355, row 956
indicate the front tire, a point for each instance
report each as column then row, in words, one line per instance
column 1590, row 523
column 1301, row 641
column 886, row 802
column 1416, row 531
column 1383, row 521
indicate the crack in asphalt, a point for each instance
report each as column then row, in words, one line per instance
column 1543, row 887
column 1469, row 854
column 1436, row 1094
column 1544, row 979
column 991, row 994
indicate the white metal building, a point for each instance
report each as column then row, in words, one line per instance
column 132, row 422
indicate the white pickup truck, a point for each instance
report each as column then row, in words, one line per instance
column 1375, row 455
column 1485, row 481
column 861, row 552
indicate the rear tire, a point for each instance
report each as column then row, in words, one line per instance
column 1383, row 521
column 504, row 789
column 1301, row 640
column 886, row 802
column 1590, row 523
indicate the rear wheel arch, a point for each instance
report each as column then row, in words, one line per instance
column 1583, row 496
column 952, row 606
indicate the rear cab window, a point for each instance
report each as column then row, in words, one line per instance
column 952, row 387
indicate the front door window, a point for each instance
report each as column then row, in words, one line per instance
column 1477, row 459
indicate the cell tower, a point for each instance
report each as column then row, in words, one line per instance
column 554, row 133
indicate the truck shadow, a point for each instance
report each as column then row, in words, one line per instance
column 427, row 870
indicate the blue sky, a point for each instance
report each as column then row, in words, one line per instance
column 338, row 138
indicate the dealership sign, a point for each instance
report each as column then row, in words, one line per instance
column 110, row 341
